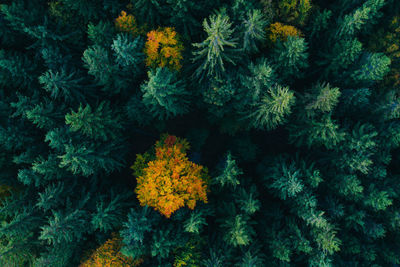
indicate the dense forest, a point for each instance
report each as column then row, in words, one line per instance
column 215, row 133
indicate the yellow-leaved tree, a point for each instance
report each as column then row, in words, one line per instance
column 167, row 180
column 281, row 31
column 163, row 49
column 127, row 23
column 109, row 255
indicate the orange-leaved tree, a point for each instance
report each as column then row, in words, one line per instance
column 127, row 23
column 163, row 49
column 281, row 31
column 109, row 255
column 169, row 180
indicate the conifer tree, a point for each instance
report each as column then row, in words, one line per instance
column 164, row 95
column 271, row 110
column 253, row 30
column 100, row 123
column 290, row 57
column 229, row 172
column 218, row 49
column 62, row 84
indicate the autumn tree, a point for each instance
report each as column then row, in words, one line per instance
column 281, row 31
column 170, row 181
column 108, row 254
column 127, row 23
column 163, row 48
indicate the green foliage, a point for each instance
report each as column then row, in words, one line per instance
column 195, row 222
column 238, row 231
column 109, row 213
column 253, row 30
column 322, row 98
column 139, row 224
column 290, row 57
column 229, row 172
column 218, row 49
column 304, row 94
column 64, row 228
column 88, row 159
column 101, row 123
column 164, row 95
column 272, row 109
column 61, row 84
column 373, row 67
column 128, row 52
column 323, row 132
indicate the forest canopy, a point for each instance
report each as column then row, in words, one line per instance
column 182, row 133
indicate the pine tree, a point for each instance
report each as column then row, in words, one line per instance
column 351, row 24
column 128, row 52
column 89, row 159
column 322, row 132
column 322, row 98
column 261, row 78
column 109, row 214
column 135, row 230
column 195, row 222
column 373, row 68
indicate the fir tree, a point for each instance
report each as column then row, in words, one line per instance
column 100, row 123
column 229, row 172
column 272, row 108
column 290, row 57
column 218, row 49
column 164, row 95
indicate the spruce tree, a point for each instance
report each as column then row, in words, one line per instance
column 218, row 49
column 164, row 95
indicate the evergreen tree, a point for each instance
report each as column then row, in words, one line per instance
column 101, row 123
column 229, row 172
column 290, row 57
column 62, row 84
column 164, row 95
column 253, row 30
column 272, row 109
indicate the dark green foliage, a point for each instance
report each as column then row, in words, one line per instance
column 229, row 172
column 64, row 228
column 299, row 137
column 290, row 57
column 128, row 52
column 100, row 123
column 164, row 95
column 109, row 214
column 238, row 232
column 88, row 159
column 61, row 84
column 254, row 32
column 272, row 109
